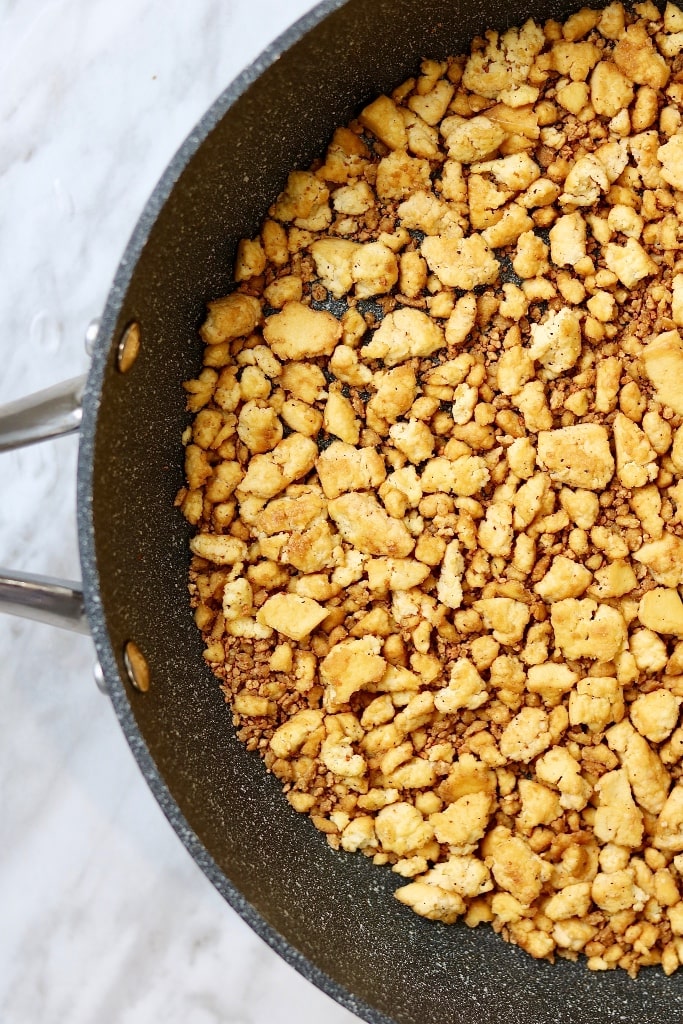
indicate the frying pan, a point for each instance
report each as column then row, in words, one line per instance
column 329, row 914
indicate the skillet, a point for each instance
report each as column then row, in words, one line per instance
column 330, row 915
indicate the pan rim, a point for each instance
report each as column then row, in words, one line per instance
column 86, row 526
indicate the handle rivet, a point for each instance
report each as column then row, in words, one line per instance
column 91, row 332
column 129, row 347
column 136, row 666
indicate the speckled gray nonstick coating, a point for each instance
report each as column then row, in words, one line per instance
column 331, row 915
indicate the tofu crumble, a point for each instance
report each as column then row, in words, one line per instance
column 435, row 469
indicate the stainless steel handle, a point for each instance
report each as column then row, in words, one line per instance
column 47, row 414
column 43, row 599
column 40, row 417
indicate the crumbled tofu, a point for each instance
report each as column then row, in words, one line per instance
column 293, row 616
column 617, row 891
column 540, row 805
column 610, row 90
column 503, row 61
column 585, row 629
column 577, row 456
column 565, row 578
column 340, row 420
column 514, row 369
column 558, row 768
column 669, row 827
column 663, row 361
column 514, row 865
column 402, row 335
column 434, row 473
column 495, row 533
column 449, row 586
column 664, row 559
column 290, row 460
column 655, row 714
column 394, row 395
column 648, row 778
column 414, row 439
column 475, row 139
column 400, row 175
column 463, row 476
column 401, row 829
column 637, row 58
column 259, row 427
column 304, row 202
column 556, row 343
column 374, row 269
column 334, row 258
column 630, row 262
column 431, row 901
column 221, row 550
column 677, row 300
column 350, row 666
column 661, row 610
column 597, row 702
column 461, row 321
column 342, row 467
column 635, row 457
column 551, row 681
column 383, row 118
column 617, row 819
column 362, row 522
column 299, row 332
column 613, row 580
column 582, row 507
column 463, row 822
column 461, row 262
column 532, row 403
column 505, row 617
column 585, row 182
column 235, row 316
column 465, row 689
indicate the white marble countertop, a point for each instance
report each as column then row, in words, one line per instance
column 104, row 915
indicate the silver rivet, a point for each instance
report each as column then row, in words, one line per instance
column 91, row 332
column 129, row 347
column 100, row 681
column 136, row 666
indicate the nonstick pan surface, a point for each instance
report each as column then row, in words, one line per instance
column 331, row 915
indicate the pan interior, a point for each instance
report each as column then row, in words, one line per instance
column 331, row 914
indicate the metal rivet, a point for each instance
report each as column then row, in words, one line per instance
column 100, row 681
column 91, row 332
column 129, row 347
column 136, row 666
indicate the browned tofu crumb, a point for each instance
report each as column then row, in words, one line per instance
column 436, row 471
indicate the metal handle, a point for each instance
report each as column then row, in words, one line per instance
column 47, row 414
column 55, row 602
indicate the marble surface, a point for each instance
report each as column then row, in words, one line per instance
column 104, row 915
